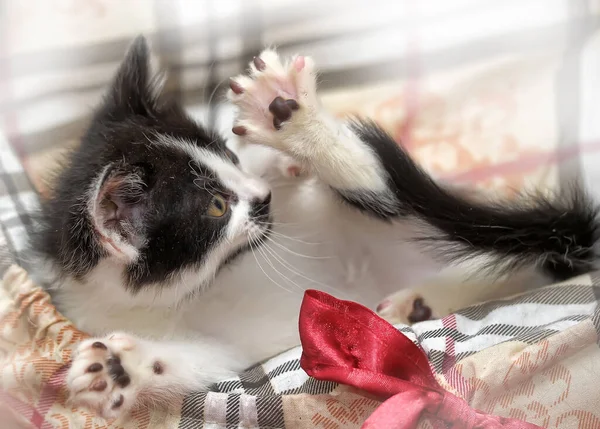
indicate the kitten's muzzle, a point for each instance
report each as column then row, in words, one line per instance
column 260, row 209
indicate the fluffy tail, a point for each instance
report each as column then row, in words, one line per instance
column 558, row 234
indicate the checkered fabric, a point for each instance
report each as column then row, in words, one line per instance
column 527, row 319
column 18, row 202
column 533, row 357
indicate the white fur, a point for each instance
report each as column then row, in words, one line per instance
column 326, row 146
column 252, row 305
column 245, row 186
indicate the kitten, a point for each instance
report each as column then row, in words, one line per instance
column 188, row 264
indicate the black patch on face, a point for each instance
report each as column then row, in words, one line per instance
column 165, row 218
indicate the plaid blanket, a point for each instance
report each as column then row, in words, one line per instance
column 520, row 76
column 534, row 357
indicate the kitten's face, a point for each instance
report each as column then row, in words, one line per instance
column 152, row 191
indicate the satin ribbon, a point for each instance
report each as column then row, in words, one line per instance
column 347, row 343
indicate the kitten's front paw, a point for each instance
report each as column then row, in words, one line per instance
column 104, row 375
column 276, row 100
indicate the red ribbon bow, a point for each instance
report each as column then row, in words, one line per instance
column 347, row 343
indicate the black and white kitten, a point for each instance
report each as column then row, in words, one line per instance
column 156, row 233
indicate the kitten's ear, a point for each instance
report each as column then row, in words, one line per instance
column 137, row 86
column 117, row 207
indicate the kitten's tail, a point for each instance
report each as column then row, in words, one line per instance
column 559, row 234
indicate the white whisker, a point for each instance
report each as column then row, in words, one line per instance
column 283, row 276
column 292, row 269
column 272, row 240
column 278, row 223
column 287, row 237
column 251, row 242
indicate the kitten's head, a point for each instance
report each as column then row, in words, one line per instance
column 151, row 191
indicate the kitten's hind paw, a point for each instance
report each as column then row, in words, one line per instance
column 406, row 307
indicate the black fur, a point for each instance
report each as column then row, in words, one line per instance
column 557, row 234
column 162, row 194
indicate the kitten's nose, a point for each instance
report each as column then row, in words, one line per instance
column 261, row 208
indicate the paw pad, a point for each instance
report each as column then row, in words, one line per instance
column 282, row 110
column 420, row 312
column 118, row 402
column 99, row 386
column 98, row 379
column 95, row 367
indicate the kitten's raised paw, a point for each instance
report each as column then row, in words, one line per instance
column 274, row 100
column 101, row 376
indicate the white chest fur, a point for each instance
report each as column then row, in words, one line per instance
column 317, row 243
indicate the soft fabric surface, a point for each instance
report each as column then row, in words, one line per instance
column 534, row 357
column 348, row 343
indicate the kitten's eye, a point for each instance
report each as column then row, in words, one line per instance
column 232, row 156
column 217, row 207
